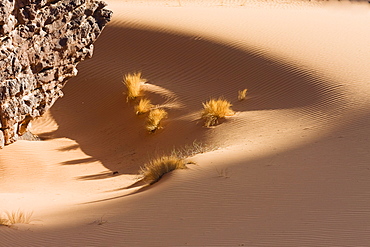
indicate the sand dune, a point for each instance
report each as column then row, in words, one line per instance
column 290, row 169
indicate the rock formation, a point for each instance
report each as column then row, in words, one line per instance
column 41, row 43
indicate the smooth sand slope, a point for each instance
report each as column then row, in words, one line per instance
column 291, row 167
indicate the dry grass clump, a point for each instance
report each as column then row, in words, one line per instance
column 154, row 119
column 143, row 106
column 155, row 169
column 215, row 109
column 4, row 222
column 195, row 148
column 242, row 94
column 16, row 217
column 133, row 83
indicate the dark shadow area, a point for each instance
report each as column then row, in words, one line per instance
column 95, row 114
column 72, row 147
column 140, row 186
column 79, row 161
column 98, row 176
column 139, row 190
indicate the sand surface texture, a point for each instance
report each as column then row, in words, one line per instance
column 290, row 168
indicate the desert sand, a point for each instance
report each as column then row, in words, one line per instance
column 290, row 168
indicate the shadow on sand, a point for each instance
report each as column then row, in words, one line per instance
column 95, row 114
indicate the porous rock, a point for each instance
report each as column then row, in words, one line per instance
column 41, row 43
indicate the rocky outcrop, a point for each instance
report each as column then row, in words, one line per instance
column 41, row 43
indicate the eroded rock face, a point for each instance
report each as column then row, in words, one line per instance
column 41, row 43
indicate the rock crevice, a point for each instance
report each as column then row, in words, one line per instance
column 41, row 43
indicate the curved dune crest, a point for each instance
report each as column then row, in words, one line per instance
column 291, row 166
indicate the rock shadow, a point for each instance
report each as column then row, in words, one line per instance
column 95, row 114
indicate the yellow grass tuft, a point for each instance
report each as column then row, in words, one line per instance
column 215, row 110
column 133, row 83
column 195, row 148
column 242, row 94
column 155, row 169
column 4, row 222
column 143, row 107
column 154, row 119
column 16, row 217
